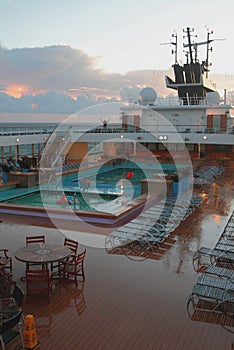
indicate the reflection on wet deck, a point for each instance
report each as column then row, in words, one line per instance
column 140, row 251
column 206, row 314
column 132, row 303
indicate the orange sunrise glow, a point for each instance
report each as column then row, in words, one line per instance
column 16, row 90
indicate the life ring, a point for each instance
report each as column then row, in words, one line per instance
column 129, row 175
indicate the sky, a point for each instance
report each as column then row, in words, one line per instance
column 99, row 49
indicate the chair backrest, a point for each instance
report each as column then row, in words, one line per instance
column 10, row 323
column 35, row 239
column 18, row 295
column 42, row 277
column 80, row 257
column 73, row 245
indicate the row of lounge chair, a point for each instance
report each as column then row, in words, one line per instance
column 153, row 227
column 212, row 297
column 222, row 253
column 206, row 175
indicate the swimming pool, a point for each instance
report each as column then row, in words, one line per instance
column 105, row 187
column 94, row 188
column 51, row 199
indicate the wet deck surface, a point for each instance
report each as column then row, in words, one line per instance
column 128, row 303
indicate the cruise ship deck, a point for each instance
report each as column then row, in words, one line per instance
column 136, row 294
column 129, row 303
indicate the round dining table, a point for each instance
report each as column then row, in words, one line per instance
column 40, row 253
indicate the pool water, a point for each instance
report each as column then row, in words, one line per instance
column 50, row 200
column 106, row 182
column 110, row 181
column 102, row 187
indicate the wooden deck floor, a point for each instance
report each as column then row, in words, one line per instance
column 125, row 304
column 129, row 304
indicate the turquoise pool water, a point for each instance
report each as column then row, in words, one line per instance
column 104, row 182
column 103, row 187
column 50, row 200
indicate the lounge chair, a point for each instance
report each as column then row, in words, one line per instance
column 212, row 304
column 217, row 282
column 219, row 272
column 12, row 304
column 206, row 256
column 10, row 329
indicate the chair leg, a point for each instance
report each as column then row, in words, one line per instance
column 2, row 343
column 21, row 336
column 75, row 276
column 83, row 275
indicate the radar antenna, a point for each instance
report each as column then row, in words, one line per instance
column 196, row 44
column 175, row 43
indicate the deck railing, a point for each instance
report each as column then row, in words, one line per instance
column 17, row 130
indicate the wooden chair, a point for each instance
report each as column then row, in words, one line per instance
column 71, row 269
column 38, row 281
column 10, row 329
column 73, row 245
column 34, row 240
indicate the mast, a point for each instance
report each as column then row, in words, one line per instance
column 208, row 41
column 190, row 81
column 175, row 43
column 189, row 30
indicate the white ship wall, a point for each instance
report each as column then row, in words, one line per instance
column 183, row 120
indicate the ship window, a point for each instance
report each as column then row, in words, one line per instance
column 202, row 147
column 222, row 148
column 191, row 147
column 152, row 146
column 216, row 122
column 161, row 147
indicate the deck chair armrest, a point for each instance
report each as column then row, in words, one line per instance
column 7, row 301
column 5, row 251
column 230, row 291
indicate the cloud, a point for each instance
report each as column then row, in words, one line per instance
column 55, row 68
column 130, row 94
column 61, row 79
